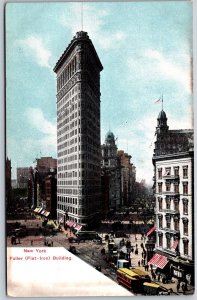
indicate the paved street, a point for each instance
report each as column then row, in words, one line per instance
column 88, row 251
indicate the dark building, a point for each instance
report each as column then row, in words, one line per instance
column 8, row 179
column 51, row 195
column 173, row 161
column 128, row 178
column 78, row 132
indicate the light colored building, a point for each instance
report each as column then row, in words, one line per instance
column 173, row 164
column 78, row 132
column 111, row 174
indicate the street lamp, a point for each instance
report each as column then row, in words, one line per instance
column 129, row 256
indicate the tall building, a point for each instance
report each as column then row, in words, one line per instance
column 78, row 132
column 128, row 177
column 173, row 183
column 111, row 174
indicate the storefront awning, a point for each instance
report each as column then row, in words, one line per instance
column 36, row 209
column 151, row 231
column 39, row 210
column 158, row 261
column 78, row 227
column 47, row 213
column 43, row 212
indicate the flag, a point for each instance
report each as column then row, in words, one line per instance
column 158, row 101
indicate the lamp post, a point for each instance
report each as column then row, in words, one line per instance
column 129, row 256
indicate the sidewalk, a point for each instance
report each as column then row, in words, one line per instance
column 134, row 263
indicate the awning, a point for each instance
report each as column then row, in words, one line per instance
column 36, row 209
column 47, row 213
column 39, row 210
column 151, row 231
column 159, row 261
column 69, row 223
column 175, row 244
column 78, row 227
column 42, row 212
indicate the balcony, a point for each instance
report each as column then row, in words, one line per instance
column 173, row 231
column 171, row 177
column 171, row 193
column 171, row 211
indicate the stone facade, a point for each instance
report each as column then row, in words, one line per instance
column 173, row 187
column 78, row 132
column 128, row 178
column 110, row 174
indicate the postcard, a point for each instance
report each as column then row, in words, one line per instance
column 99, row 148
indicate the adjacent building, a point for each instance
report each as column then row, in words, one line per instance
column 173, row 161
column 78, row 132
column 128, row 178
column 110, row 175
column 23, row 175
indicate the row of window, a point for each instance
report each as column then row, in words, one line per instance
column 67, row 73
column 168, row 171
column 173, row 187
column 176, row 224
column 169, row 244
column 174, row 205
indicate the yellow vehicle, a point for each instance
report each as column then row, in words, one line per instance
column 130, row 280
column 142, row 274
column 154, row 289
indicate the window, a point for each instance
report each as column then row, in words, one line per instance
column 160, row 240
column 168, row 185
column 168, row 241
column 185, row 226
column 167, row 172
column 168, row 223
column 160, row 203
column 160, row 173
column 185, row 206
column 176, row 205
column 185, row 172
column 167, row 203
column 176, row 171
column 185, row 188
column 176, row 224
column 176, row 188
column 160, row 219
column 160, row 187
column 185, row 247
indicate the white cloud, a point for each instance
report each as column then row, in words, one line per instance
column 153, row 65
column 34, row 45
column 94, row 21
column 170, row 70
column 47, row 138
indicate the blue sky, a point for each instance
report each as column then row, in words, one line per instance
column 145, row 49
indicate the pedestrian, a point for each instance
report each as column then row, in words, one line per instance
column 183, row 288
column 142, row 262
column 138, row 263
column 147, row 267
column 178, row 286
column 142, row 254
